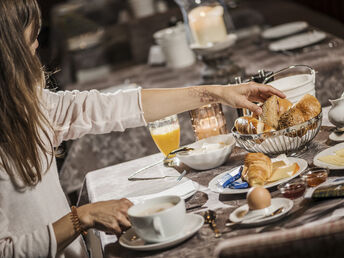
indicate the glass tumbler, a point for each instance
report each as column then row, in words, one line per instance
column 166, row 134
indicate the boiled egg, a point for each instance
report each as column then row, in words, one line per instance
column 258, row 198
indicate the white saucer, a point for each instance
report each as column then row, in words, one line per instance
column 193, row 223
column 297, row 41
column 275, row 204
column 213, row 185
column 284, row 30
column 336, row 138
column 328, row 151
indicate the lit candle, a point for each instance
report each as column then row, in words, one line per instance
column 208, row 127
column 207, row 24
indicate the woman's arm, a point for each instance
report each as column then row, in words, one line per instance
column 108, row 216
column 159, row 103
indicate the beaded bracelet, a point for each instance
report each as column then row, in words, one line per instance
column 76, row 222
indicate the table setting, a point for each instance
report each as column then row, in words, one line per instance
column 224, row 177
column 215, row 181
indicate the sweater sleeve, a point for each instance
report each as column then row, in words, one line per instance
column 39, row 243
column 74, row 113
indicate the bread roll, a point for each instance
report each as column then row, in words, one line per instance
column 292, row 117
column 309, row 106
column 273, row 108
column 251, row 125
column 257, row 169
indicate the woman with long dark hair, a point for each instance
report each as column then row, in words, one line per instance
column 35, row 218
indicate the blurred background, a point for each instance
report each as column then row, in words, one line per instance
column 86, row 39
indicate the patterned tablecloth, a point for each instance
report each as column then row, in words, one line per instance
column 96, row 151
column 307, row 218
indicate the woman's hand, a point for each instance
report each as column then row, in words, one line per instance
column 108, row 216
column 243, row 95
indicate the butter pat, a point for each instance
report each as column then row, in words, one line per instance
column 337, row 159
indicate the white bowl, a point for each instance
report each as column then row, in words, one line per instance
column 212, row 158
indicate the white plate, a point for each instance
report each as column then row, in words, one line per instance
column 213, row 186
column 284, row 30
column 336, row 138
column 275, row 204
column 193, row 223
column 297, row 41
column 329, row 151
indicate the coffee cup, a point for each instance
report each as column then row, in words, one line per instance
column 159, row 219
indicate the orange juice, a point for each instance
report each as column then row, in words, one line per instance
column 166, row 138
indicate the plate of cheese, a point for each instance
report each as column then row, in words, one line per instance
column 259, row 170
column 331, row 158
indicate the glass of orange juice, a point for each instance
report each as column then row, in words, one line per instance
column 166, row 134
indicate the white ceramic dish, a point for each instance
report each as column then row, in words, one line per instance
column 193, row 222
column 336, row 138
column 276, row 203
column 211, row 158
column 329, row 151
column 297, row 41
column 284, row 30
column 213, row 185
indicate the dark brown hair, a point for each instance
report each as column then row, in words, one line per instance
column 23, row 126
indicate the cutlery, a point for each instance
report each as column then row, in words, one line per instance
column 181, row 176
column 131, row 177
column 196, row 207
column 274, row 213
column 210, row 218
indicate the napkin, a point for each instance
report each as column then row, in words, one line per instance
column 181, row 190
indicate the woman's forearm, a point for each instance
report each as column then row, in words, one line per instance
column 64, row 228
column 64, row 232
column 109, row 216
column 159, row 103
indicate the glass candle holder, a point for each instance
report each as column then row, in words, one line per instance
column 207, row 21
column 208, row 121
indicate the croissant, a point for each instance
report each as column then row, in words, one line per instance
column 257, row 169
column 251, row 125
column 273, row 108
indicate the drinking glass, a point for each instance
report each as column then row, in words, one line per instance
column 166, row 134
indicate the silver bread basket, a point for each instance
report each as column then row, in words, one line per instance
column 289, row 141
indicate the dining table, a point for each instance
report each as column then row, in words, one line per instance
column 251, row 53
column 311, row 228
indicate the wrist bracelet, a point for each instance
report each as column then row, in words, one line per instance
column 76, row 222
